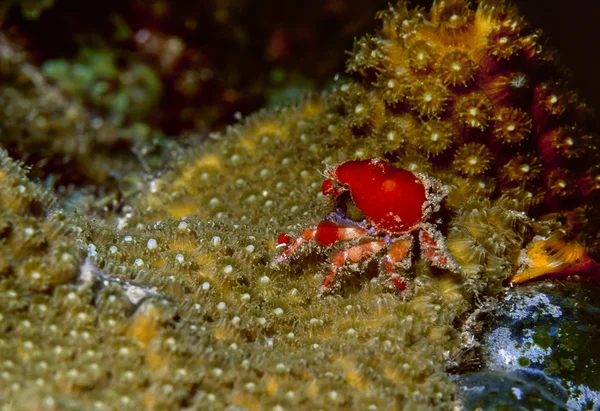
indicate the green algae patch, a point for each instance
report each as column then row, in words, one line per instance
column 542, row 338
column 524, row 361
column 563, row 367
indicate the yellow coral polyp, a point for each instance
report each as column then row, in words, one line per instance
column 473, row 111
column 364, row 109
column 392, row 19
column 565, row 141
column 420, row 56
column 503, row 41
column 467, row 252
column 552, row 99
column 429, row 97
column 522, row 169
column 472, row 159
column 560, row 183
column 365, row 55
column 457, row 68
column 395, row 87
column 207, row 163
column 353, row 375
column 511, row 126
column 451, row 14
column 145, row 325
column 527, row 196
column 436, row 136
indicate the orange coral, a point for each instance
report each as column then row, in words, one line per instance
column 553, row 257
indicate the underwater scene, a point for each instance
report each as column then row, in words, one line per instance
column 321, row 205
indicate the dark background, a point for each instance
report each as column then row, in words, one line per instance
column 312, row 37
column 573, row 27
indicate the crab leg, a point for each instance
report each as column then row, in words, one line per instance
column 325, row 234
column 433, row 248
column 398, row 252
column 353, row 254
column 328, row 233
column 307, row 235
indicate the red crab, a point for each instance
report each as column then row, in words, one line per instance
column 396, row 204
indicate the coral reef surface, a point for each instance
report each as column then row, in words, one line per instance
column 172, row 301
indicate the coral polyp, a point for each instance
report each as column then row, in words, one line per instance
column 451, row 14
column 506, row 89
column 473, row 111
column 511, row 126
column 521, row 169
column 436, row 136
column 551, row 100
column 503, row 41
column 457, row 68
column 420, row 56
column 563, row 143
column 395, row 87
column 429, row 97
column 560, row 183
column 473, row 159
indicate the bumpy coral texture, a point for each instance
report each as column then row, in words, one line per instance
column 176, row 304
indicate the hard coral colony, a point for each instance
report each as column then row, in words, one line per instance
column 176, row 304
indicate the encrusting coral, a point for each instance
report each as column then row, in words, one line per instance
column 176, row 303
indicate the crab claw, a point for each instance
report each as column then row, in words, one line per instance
column 332, row 189
column 282, row 240
column 552, row 257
